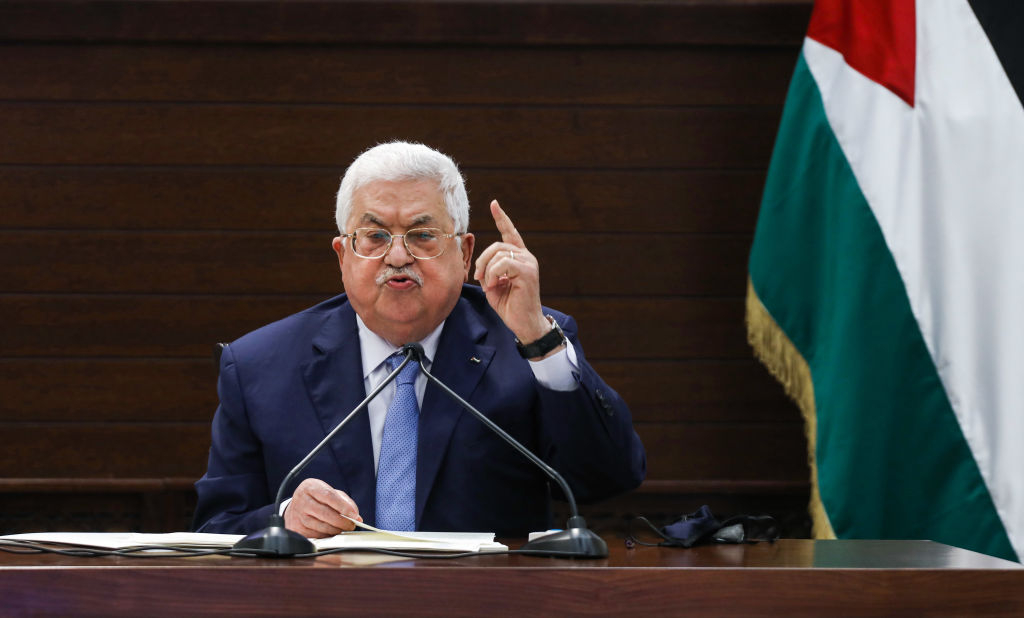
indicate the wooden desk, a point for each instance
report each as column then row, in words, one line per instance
column 789, row 577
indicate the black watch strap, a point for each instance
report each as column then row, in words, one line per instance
column 545, row 344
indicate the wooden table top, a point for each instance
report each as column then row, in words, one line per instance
column 789, row 577
column 784, row 553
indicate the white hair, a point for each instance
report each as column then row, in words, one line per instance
column 405, row 161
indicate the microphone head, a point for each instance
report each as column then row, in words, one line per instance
column 414, row 350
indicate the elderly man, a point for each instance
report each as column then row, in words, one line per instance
column 415, row 460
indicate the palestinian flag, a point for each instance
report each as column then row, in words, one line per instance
column 887, row 270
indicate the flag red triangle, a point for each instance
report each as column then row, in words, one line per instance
column 875, row 37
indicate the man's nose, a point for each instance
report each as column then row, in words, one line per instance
column 398, row 255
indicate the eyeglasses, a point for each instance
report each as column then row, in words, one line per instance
column 423, row 243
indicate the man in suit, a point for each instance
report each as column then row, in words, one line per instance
column 405, row 257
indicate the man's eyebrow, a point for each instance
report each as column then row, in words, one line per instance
column 369, row 217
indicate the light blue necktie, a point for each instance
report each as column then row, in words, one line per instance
column 396, row 466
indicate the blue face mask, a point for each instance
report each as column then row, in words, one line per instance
column 702, row 527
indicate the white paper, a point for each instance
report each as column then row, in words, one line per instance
column 126, row 540
column 415, row 541
column 371, row 539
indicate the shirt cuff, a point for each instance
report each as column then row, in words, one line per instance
column 284, row 505
column 559, row 371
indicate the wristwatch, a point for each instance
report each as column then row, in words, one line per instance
column 554, row 338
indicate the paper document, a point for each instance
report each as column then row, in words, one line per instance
column 404, row 540
column 128, row 540
column 370, row 539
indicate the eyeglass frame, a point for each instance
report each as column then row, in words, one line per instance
column 405, row 243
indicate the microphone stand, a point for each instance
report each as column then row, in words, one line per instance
column 276, row 541
column 576, row 541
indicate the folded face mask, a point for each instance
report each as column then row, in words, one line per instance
column 702, row 527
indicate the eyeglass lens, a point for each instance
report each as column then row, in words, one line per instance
column 420, row 242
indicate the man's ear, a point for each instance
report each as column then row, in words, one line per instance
column 338, row 244
column 467, row 255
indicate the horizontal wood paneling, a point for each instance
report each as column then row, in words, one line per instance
column 280, row 199
column 109, row 509
column 165, row 505
column 303, row 263
column 120, row 450
column 486, row 22
column 114, row 450
column 182, row 390
column 208, row 134
column 702, row 390
column 107, row 390
column 186, row 326
column 86, row 484
column 168, row 170
column 388, row 75
column 704, row 451
column 175, row 262
column 134, row 326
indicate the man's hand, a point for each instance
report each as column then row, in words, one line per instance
column 510, row 276
column 315, row 507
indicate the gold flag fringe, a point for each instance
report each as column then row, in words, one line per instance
column 774, row 349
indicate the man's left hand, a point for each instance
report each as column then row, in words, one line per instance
column 510, row 276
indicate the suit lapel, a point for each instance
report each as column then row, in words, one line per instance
column 460, row 342
column 334, row 380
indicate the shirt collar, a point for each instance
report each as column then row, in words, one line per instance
column 376, row 349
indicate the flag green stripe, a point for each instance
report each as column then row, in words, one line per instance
column 892, row 461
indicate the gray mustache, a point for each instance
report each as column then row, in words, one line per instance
column 391, row 271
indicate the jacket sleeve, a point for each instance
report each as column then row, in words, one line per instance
column 233, row 497
column 587, row 433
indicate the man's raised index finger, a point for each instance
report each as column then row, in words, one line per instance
column 509, row 233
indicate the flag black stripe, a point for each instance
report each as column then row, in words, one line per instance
column 1003, row 21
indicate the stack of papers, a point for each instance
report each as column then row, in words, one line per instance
column 362, row 539
column 415, row 541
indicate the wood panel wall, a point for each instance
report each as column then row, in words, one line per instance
column 167, row 173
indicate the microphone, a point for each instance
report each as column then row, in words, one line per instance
column 576, row 541
column 276, row 541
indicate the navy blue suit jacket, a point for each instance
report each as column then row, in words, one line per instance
column 285, row 386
